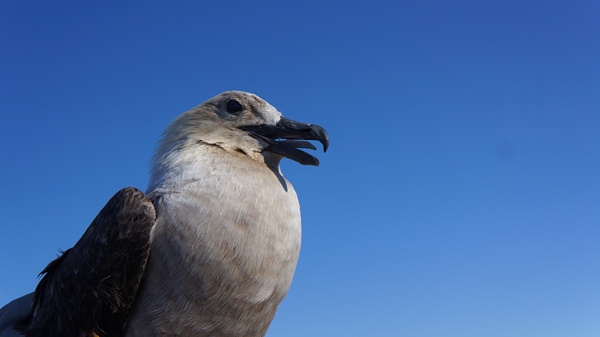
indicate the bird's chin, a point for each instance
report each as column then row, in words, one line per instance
column 272, row 160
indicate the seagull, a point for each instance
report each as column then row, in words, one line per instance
column 209, row 250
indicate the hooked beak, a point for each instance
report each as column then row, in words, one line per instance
column 282, row 138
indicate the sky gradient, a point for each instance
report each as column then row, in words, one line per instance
column 459, row 197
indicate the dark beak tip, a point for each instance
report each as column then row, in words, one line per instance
column 323, row 137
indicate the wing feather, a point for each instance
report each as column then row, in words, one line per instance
column 89, row 289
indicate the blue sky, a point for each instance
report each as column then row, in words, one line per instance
column 460, row 195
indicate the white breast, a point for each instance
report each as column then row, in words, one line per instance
column 225, row 249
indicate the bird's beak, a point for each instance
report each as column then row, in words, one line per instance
column 282, row 138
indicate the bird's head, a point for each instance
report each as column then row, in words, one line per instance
column 244, row 125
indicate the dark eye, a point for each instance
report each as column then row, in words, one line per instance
column 233, row 107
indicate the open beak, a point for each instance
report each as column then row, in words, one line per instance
column 287, row 136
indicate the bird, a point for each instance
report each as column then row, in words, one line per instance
column 210, row 249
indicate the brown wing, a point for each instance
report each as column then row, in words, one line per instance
column 89, row 289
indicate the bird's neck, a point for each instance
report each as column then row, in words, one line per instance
column 196, row 168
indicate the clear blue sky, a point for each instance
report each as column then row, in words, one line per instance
column 461, row 192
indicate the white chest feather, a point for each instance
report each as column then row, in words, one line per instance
column 225, row 248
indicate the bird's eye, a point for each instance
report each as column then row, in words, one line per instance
column 234, row 107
